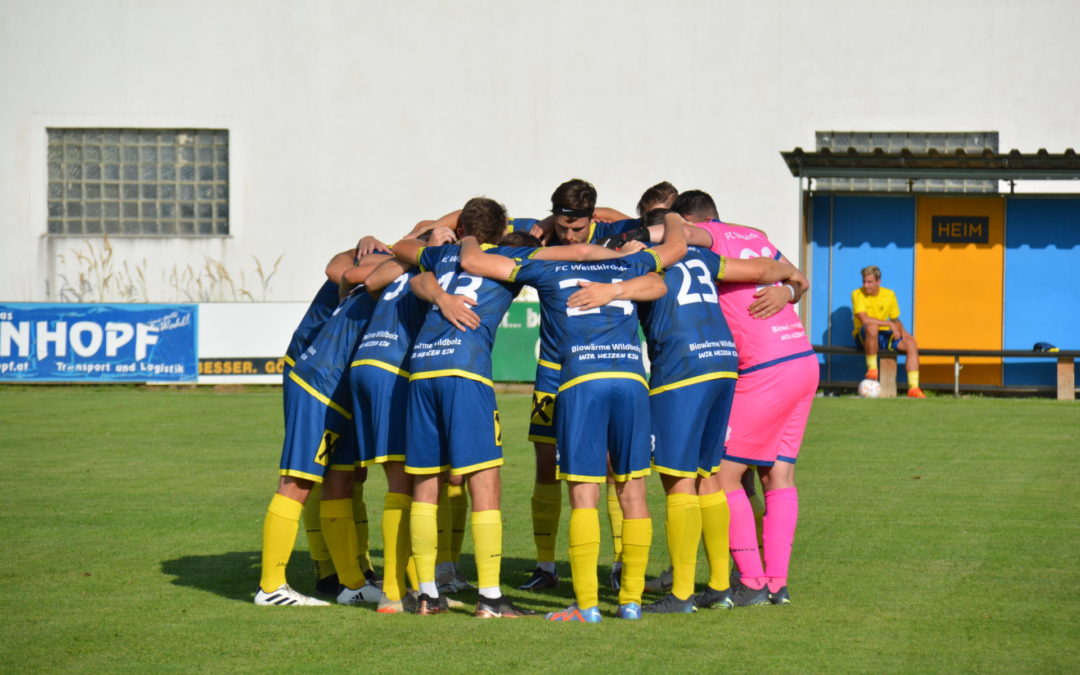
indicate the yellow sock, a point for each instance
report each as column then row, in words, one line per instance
column 445, row 523
column 913, row 379
column 487, row 544
column 424, row 534
column 278, row 538
column 395, row 527
column 871, row 361
column 758, row 506
column 459, row 511
column 614, row 511
column 715, row 519
column 320, row 555
column 637, row 537
column 584, row 556
column 410, row 571
column 546, row 510
column 360, row 517
column 683, row 525
column 340, row 533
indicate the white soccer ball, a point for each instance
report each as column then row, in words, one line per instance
column 869, row 389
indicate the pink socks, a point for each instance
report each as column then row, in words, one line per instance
column 781, row 513
column 743, row 539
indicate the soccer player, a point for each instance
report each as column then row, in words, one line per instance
column 604, row 398
column 573, row 209
column 379, row 384
column 693, row 371
column 878, row 326
column 778, row 375
column 452, row 418
column 319, row 443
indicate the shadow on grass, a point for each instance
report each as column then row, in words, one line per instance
column 235, row 576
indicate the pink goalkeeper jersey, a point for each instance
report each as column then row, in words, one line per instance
column 760, row 342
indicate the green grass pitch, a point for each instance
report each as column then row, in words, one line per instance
column 937, row 535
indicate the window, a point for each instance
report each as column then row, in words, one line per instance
column 138, row 182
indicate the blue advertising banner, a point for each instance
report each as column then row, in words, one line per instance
column 68, row 342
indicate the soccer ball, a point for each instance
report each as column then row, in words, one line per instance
column 869, row 389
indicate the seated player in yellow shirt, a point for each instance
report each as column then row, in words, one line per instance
column 878, row 326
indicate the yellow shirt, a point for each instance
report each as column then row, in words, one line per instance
column 881, row 306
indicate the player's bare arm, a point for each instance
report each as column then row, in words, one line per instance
column 358, row 273
column 389, row 269
column 673, row 247
column 605, row 214
column 695, row 236
column 339, row 263
column 645, row 288
column 491, row 265
column 369, row 244
column 457, row 309
column 576, row 253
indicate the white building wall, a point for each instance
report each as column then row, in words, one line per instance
column 349, row 117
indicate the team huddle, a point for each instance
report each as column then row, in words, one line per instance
column 391, row 365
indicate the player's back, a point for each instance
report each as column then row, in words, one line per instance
column 320, row 309
column 595, row 341
column 394, row 323
column 688, row 336
column 759, row 342
column 323, row 365
column 440, row 348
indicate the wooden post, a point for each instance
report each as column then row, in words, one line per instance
column 1066, row 379
column 887, row 374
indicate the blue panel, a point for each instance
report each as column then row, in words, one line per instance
column 1042, row 255
column 820, row 219
column 877, row 230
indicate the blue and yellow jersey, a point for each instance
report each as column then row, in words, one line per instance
column 520, row 225
column 322, row 369
column 440, row 348
column 688, row 337
column 394, row 323
column 326, row 300
column 594, row 343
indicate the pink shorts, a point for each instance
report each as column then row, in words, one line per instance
column 768, row 416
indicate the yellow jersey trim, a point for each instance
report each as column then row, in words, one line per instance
column 289, row 360
column 380, row 364
column 675, row 472
column 389, row 458
column 322, row 398
column 559, row 475
column 363, row 463
column 512, row 278
column 426, row 470
column 640, row 473
column 706, row 474
column 451, row 372
column 656, row 259
column 603, row 376
column 477, row 467
column 342, row 467
column 718, row 375
column 548, row 364
column 302, row 474
column 541, row 439
column 419, row 253
column 534, row 253
column 484, row 247
column 723, row 269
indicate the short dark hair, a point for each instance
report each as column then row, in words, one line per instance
column 656, row 217
column 520, row 239
column 484, row 219
column 660, row 193
column 695, row 206
column 574, row 195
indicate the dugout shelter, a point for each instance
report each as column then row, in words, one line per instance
column 975, row 264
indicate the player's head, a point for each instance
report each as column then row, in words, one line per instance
column 655, row 217
column 660, row 196
column 573, row 204
column 520, row 240
column 696, row 206
column 871, row 279
column 482, row 218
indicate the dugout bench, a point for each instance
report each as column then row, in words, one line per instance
column 1066, row 374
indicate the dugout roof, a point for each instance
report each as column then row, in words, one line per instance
column 960, row 164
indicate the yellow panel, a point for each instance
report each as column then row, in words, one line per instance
column 959, row 288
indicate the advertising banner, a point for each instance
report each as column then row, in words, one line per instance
column 67, row 342
column 517, row 344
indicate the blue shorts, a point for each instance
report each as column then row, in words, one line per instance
column 318, row 436
column 379, row 401
column 688, row 427
column 453, row 424
column 542, row 419
column 885, row 339
column 598, row 418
